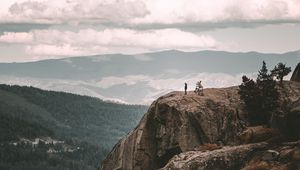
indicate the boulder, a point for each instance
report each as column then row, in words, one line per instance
column 227, row 158
column 257, row 134
column 285, row 156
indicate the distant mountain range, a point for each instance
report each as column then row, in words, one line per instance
column 140, row 78
column 77, row 131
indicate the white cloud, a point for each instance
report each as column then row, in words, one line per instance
column 16, row 37
column 131, row 12
column 74, row 11
column 135, row 26
column 48, row 50
column 90, row 41
column 214, row 11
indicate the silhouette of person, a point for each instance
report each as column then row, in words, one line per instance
column 185, row 88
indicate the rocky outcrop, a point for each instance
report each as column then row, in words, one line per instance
column 178, row 124
column 258, row 134
column 283, row 157
column 227, row 158
column 296, row 74
column 256, row 156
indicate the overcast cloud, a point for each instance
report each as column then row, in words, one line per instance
column 150, row 11
column 41, row 29
column 89, row 41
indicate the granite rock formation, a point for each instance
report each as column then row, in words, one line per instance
column 177, row 124
column 227, row 158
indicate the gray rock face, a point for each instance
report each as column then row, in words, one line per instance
column 178, row 124
column 296, row 74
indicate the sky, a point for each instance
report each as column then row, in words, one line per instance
column 42, row 29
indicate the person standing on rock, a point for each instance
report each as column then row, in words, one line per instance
column 185, row 88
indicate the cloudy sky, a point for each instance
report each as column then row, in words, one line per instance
column 41, row 29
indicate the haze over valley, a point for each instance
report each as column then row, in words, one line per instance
column 116, row 77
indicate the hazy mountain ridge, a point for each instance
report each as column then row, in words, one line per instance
column 116, row 76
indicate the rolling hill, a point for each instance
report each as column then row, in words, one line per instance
column 53, row 130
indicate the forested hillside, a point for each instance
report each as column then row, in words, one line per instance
column 54, row 130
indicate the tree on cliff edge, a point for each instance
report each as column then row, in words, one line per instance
column 260, row 97
column 280, row 71
column 248, row 93
column 267, row 89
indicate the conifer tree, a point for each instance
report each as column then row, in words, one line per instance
column 260, row 97
column 280, row 71
column 263, row 73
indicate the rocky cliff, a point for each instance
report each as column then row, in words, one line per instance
column 202, row 131
column 296, row 74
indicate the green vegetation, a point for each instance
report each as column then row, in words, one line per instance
column 12, row 129
column 25, row 156
column 88, row 127
column 280, row 71
column 260, row 97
